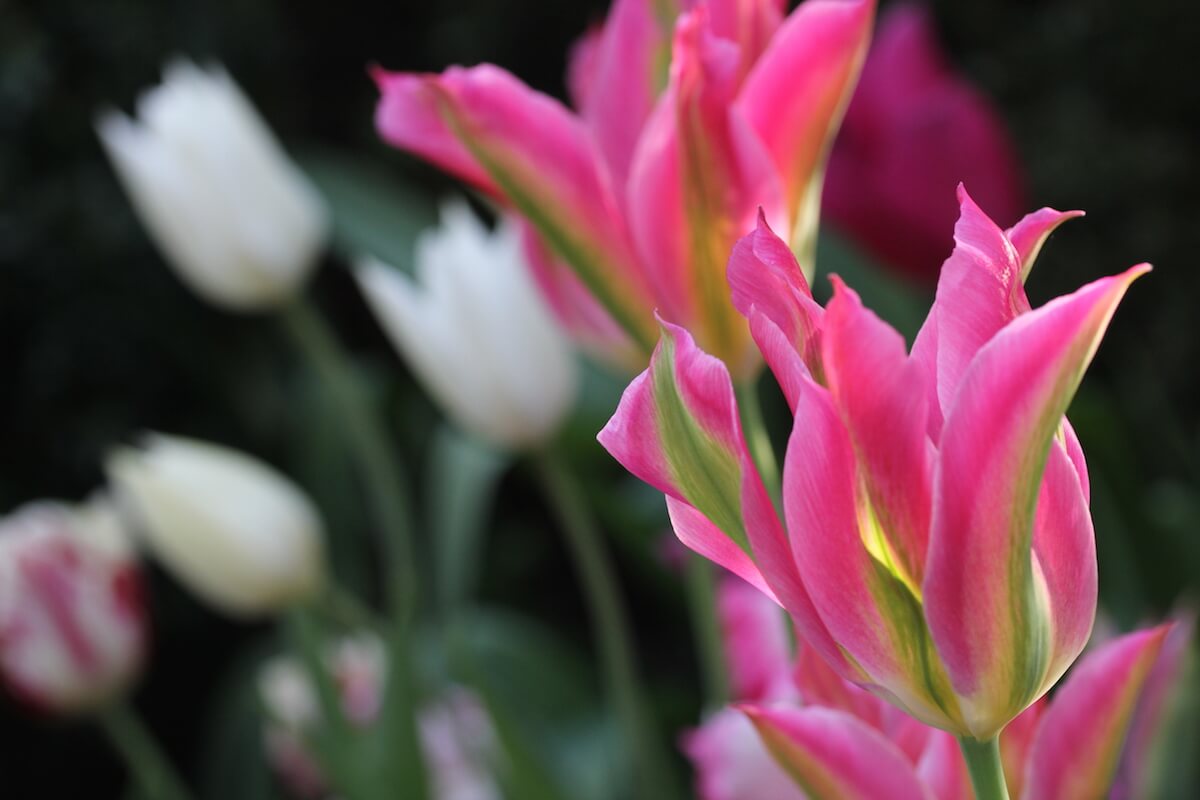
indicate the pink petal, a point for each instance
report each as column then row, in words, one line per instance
column 677, row 428
column 869, row 612
column 627, row 74
column 732, row 763
column 880, row 396
column 583, row 63
column 1028, row 235
column 1079, row 741
column 697, row 178
column 795, row 95
column 833, row 755
column 820, row 685
column 749, row 23
column 1003, row 622
column 1016, row 743
column 943, row 770
column 758, row 647
column 769, row 289
column 490, row 128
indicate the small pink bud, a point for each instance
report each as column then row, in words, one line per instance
column 72, row 622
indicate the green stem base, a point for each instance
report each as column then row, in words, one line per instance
column 986, row 768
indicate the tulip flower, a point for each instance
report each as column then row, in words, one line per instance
column 230, row 528
column 231, row 213
column 1068, row 747
column 456, row 735
column 914, row 130
column 937, row 546
column 688, row 118
column 73, row 626
column 475, row 331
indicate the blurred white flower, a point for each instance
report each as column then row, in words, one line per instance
column 475, row 331
column 235, row 217
column 232, row 529
column 72, row 621
column 456, row 735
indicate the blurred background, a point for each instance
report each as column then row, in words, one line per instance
column 98, row 340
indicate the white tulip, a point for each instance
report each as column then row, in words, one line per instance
column 237, row 219
column 475, row 331
column 233, row 530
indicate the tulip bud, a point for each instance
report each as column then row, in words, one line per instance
column 231, row 213
column 456, row 735
column 233, row 530
column 72, row 622
column 475, row 331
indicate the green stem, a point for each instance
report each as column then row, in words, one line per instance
column 757, row 437
column 610, row 623
column 702, row 602
column 379, row 468
column 153, row 773
column 387, row 493
column 987, row 771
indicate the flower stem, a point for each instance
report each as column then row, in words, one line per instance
column 147, row 763
column 380, row 470
column 987, row 771
column 610, row 623
column 702, row 602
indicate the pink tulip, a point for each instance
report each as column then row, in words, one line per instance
column 1068, row 748
column 73, row 626
column 938, row 548
column 914, row 130
column 689, row 117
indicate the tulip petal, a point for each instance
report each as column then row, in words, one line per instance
column 834, row 756
column 750, row 23
column 871, row 613
column 769, row 289
column 677, row 428
column 732, row 763
column 758, row 648
column 489, row 128
column 697, row 178
column 942, row 770
column 1078, row 743
column 1028, row 235
column 880, row 396
column 797, row 92
column 1016, row 743
column 1003, row 622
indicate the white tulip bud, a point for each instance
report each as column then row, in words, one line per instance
column 475, row 331
column 72, row 620
column 232, row 214
column 233, row 530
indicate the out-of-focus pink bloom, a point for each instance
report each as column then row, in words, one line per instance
column 73, row 626
column 456, row 735
column 690, row 116
column 824, row 731
column 938, row 548
column 914, row 130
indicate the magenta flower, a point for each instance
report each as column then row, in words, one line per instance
column 938, row 547
column 914, row 130
column 689, row 118
column 826, row 733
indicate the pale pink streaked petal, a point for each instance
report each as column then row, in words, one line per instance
column 757, row 645
column 732, row 763
column 999, row 633
column 1077, row 746
column 834, row 755
column 942, row 769
column 880, row 395
column 795, row 95
column 1016, row 742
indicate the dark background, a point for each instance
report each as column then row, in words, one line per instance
column 98, row 340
